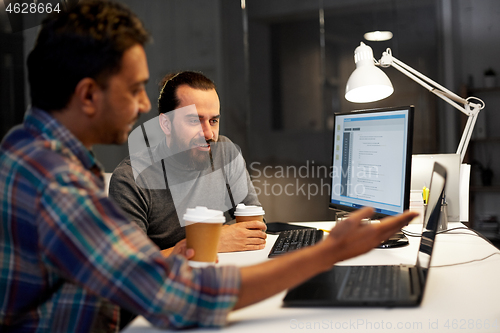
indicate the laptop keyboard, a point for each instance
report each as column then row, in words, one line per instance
column 372, row 282
column 292, row 240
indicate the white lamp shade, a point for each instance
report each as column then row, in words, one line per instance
column 367, row 83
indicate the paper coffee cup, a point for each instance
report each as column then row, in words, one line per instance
column 203, row 228
column 248, row 213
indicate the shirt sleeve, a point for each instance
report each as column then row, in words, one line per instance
column 84, row 238
column 251, row 198
column 131, row 198
column 238, row 177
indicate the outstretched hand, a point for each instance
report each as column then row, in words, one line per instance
column 347, row 239
column 243, row 236
column 351, row 237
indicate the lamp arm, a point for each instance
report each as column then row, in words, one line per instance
column 434, row 87
column 467, row 134
column 431, row 82
column 443, row 93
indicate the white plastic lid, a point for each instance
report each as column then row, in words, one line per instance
column 200, row 263
column 203, row 214
column 242, row 210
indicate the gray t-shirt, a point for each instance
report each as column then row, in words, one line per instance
column 154, row 189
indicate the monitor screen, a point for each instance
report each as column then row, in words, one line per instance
column 371, row 160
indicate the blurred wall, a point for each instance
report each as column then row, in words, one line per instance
column 277, row 96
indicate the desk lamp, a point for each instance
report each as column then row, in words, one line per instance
column 368, row 84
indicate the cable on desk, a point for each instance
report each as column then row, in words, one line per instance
column 475, row 233
column 478, row 234
column 410, row 233
column 466, row 262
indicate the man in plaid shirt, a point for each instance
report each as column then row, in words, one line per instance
column 70, row 259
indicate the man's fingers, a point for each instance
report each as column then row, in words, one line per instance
column 255, row 241
column 392, row 224
column 189, row 253
column 256, row 234
column 254, row 247
column 407, row 217
column 363, row 213
column 351, row 222
column 253, row 225
column 400, row 220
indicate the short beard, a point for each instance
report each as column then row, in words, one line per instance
column 192, row 158
column 199, row 160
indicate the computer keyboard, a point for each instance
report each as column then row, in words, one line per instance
column 371, row 282
column 292, row 240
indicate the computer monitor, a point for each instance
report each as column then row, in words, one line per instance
column 371, row 160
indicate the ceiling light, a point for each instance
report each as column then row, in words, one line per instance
column 378, row 36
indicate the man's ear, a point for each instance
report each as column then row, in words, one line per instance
column 165, row 124
column 88, row 94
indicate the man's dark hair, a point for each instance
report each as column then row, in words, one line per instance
column 168, row 99
column 87, row 40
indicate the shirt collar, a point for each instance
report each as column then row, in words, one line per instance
column 43, row 123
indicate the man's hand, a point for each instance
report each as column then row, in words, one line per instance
column 243, row 236
column 347, row 239
column 179, row 248
column 351, row 237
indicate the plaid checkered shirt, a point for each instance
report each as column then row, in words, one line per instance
column 68, row 255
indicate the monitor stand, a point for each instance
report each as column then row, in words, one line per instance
column 397, row 240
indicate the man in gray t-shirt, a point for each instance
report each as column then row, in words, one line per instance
column 191, row 165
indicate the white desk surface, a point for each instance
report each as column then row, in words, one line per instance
column 463, row 298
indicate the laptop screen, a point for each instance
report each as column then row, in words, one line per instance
column 431, row 220
column 371, row 160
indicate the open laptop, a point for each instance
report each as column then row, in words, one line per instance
column 383, row 285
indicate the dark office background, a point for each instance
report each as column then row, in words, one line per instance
column 281, row 73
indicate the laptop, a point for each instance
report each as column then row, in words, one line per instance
column 383, row 285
